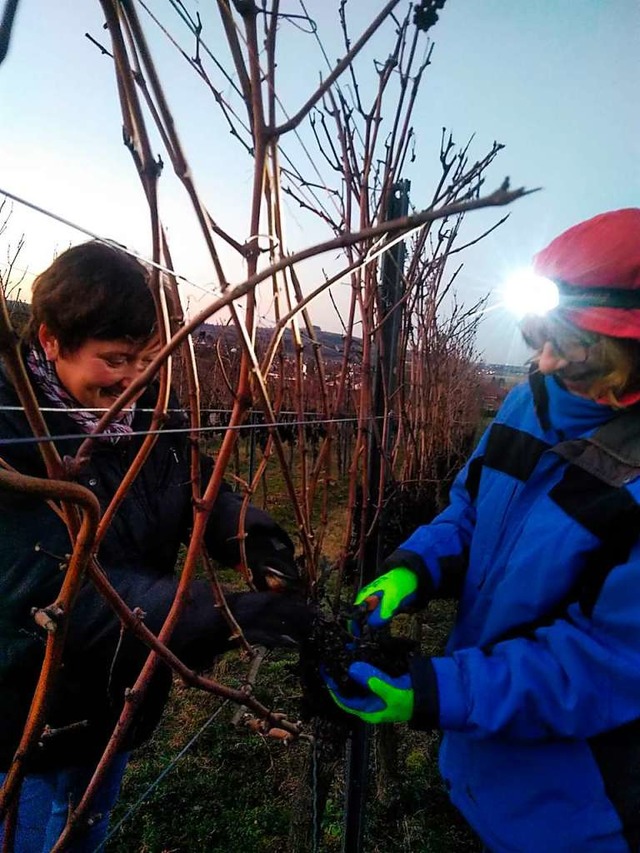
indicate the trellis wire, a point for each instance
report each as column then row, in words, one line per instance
column 167, row 769
column 106, row 240
column 177, row 430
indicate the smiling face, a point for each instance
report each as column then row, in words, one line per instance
column 98, row 371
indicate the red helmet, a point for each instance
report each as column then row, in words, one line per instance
column 596, row 265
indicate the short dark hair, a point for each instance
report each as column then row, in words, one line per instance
column 93, row 291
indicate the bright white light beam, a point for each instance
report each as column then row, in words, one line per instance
column 524, row 293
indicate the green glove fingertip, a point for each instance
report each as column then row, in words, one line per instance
column 395, row 590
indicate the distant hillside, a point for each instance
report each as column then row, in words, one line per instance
column 331, row 343
column 496, row 380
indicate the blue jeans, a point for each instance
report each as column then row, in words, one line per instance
column 44, row 806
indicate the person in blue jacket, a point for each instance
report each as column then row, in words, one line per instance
column 538, row 692
column 92, row 332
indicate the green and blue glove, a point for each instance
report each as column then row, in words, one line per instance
column 380, row 698
column 382, row 599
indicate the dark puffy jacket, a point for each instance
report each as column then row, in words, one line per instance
column 138, row 553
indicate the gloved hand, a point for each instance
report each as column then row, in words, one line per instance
column 272, row 620
column 272, row 564
column 377, row 697
column 382, row 599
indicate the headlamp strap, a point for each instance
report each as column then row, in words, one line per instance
column 596, row 297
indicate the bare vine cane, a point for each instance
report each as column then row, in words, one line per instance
column 6, row 24
column 243, row 395
column 258, row 174
column 221, row 604
column 254, row 278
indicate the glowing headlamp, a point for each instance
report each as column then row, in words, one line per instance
column 526, row 292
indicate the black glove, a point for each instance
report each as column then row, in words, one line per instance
column 270, row 620
column 272, row 564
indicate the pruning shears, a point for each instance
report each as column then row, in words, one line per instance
column 357, row 616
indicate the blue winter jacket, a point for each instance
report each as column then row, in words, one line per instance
column 539, row 691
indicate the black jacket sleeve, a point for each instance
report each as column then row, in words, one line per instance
column 102, row 661
column 266, row 544
column 221, row 537
column 201, row 633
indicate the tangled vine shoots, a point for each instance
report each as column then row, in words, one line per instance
column 360, row 131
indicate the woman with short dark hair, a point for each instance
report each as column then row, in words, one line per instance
column 92, row 332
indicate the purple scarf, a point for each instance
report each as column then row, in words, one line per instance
column 45, row 375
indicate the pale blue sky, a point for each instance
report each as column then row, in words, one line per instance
column 556, row 81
